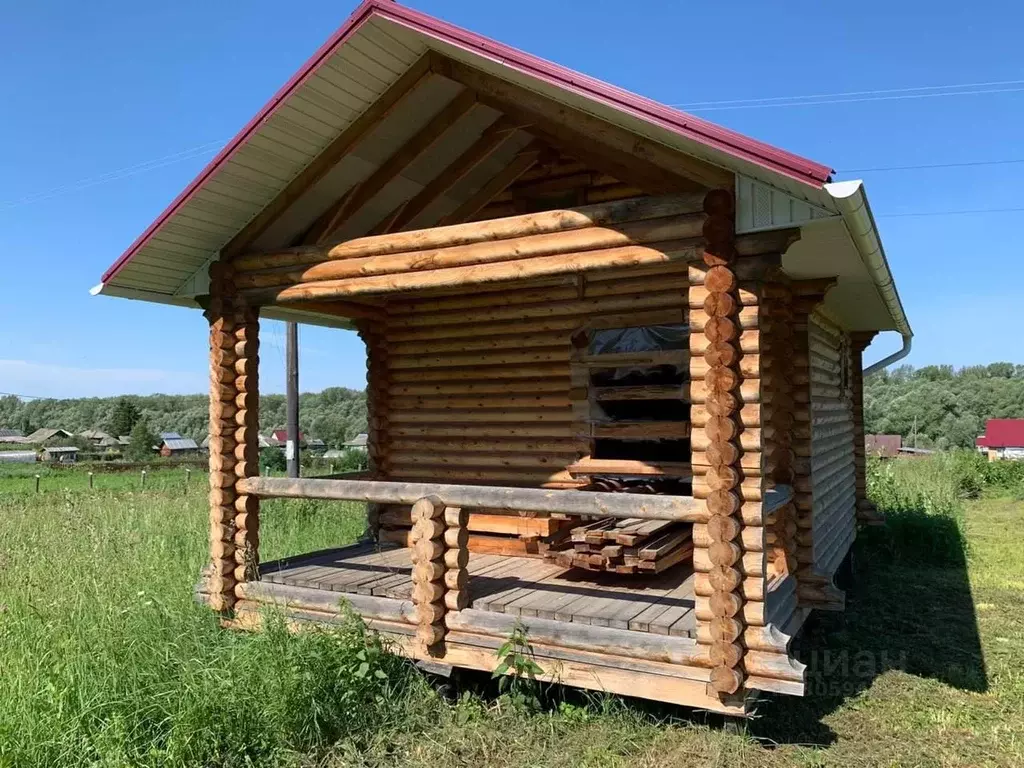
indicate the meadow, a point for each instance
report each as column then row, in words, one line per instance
column 106, row 660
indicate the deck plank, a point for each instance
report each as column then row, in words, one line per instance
column 527, row 580
column 661, row 604
column 502, row 577
column 677, row 609
column 361, row 573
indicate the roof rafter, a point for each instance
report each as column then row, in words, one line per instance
column 629, row 157
column 327, row 159
column 423, row 140
column 493, row 137
column 497, row 184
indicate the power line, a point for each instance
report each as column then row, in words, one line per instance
column 968, row 164
column 842, row 97
column 117, row 175
column 25, row 397
column 963, row 212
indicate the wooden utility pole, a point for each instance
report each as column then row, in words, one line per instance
column 292, row 389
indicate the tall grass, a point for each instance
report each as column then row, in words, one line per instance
column 105, row 660
column 923, row 503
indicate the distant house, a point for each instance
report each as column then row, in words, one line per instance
column 334, row 453
column 17, row 457
column 98, row 437
column 65, row 454
column 281, row 437
column 883, row 446
column 40, row 436
column 12, row 436
column 316, row 445
column 264, row 442
column 1003, row 439
column 357, row 443
column 177, row 446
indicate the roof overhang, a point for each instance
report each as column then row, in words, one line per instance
column 379, row 44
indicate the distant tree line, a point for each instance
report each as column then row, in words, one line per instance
column 334, row 415
column 942, row 406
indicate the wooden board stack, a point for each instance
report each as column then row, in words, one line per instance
column 627, row 546
column 489, row 531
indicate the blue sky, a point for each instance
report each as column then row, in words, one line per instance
column 90, row 89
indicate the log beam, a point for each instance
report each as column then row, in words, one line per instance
column 683, row 508
column 425, row 241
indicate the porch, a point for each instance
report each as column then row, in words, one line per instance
column 661, row 604
column 645, row 634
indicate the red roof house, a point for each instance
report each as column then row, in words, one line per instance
column 1002, row 433
column 281, row 435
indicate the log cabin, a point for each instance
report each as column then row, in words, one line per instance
column 614, row 362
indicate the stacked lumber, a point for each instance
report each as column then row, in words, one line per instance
column 627, row 546
column 489, row 531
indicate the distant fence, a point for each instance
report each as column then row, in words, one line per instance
column 129, row 466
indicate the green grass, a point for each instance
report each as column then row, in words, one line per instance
column 105, row 660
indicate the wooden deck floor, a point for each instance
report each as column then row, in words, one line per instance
column 661, row 604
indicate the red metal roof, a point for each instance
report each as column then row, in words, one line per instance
column 1002, row 433
column 695, row 129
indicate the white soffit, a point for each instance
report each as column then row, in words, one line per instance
column 761, row 207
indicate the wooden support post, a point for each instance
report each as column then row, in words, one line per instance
column 866, row 512
column 293, row 441
column 428, row 573
column 377, row 410
column 800, row 441
column 718, row 482
column 777, row 357
column 234, row 439
column 456, row 558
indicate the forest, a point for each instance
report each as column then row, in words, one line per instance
column 937, row 406
column 333, row 415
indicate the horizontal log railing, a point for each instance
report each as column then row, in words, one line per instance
column 682, row 508
column 439, row 542
column 570, row 502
